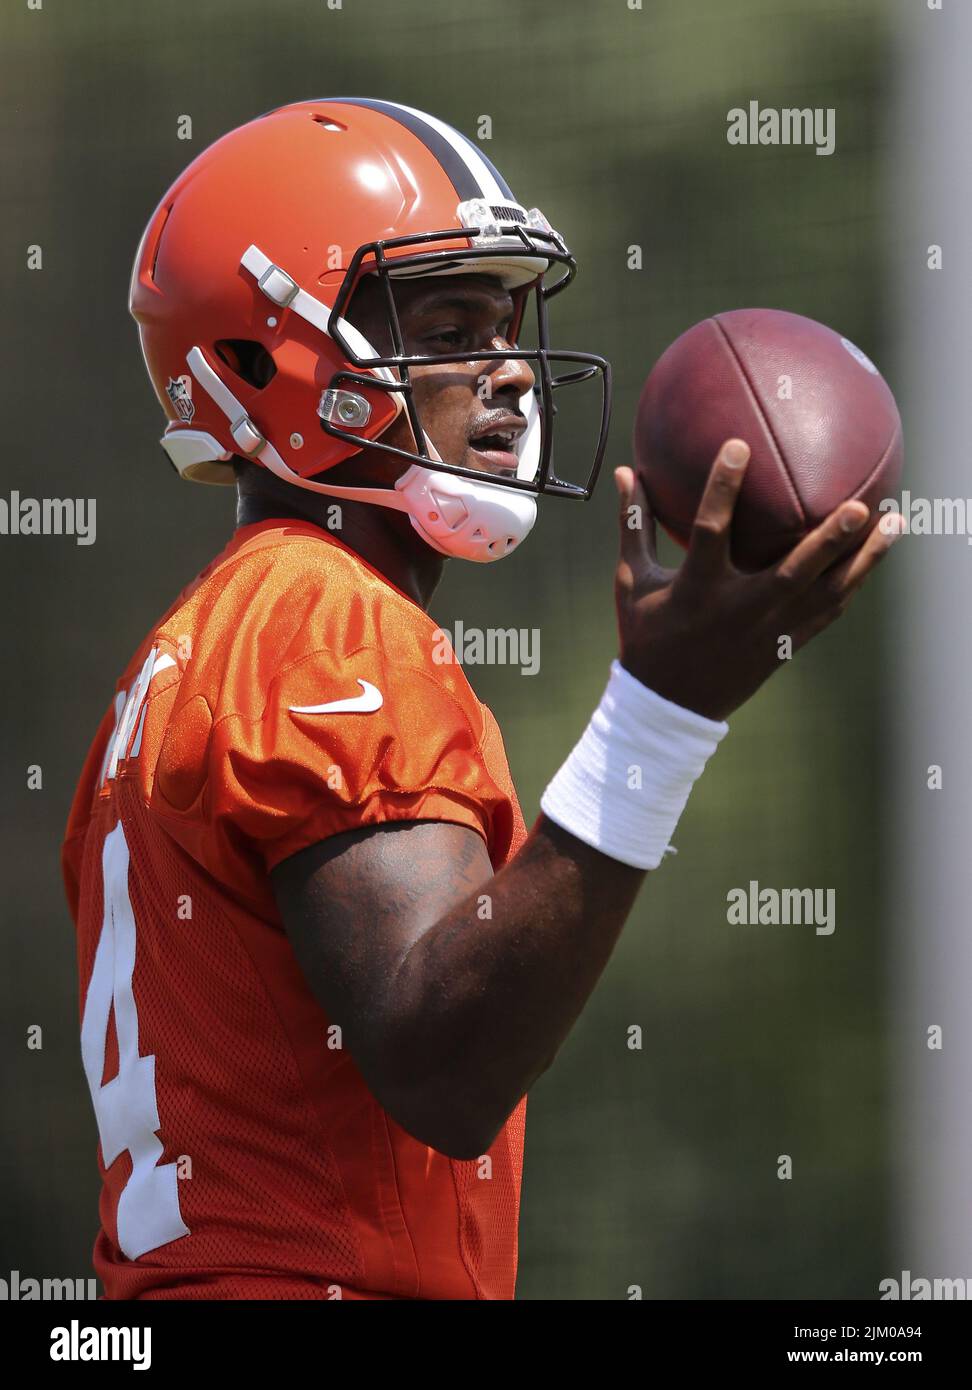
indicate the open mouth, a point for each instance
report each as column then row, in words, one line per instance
column 496, row 447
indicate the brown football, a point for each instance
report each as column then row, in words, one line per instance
column 818, row 416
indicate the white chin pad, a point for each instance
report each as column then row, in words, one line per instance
column 464, row 518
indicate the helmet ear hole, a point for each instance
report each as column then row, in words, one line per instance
column 249, row 360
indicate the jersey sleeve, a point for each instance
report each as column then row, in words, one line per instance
column 324, row 760
column 339, row 741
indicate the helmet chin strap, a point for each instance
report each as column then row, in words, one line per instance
column 459, row 517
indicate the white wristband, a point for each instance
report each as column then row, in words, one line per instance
column 625, row 785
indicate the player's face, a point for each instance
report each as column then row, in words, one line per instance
column 469, row 409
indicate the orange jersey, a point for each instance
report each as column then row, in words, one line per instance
column 242, row 1154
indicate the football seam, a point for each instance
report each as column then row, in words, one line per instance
column 760, row 411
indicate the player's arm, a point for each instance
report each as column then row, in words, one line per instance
column 455, row 987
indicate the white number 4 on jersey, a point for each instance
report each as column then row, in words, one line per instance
column 126, row 1107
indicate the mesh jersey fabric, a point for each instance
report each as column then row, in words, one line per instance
column 272, row 1171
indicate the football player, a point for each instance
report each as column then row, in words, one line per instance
column 321, row 960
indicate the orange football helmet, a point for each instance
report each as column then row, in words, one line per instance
column 262, row 241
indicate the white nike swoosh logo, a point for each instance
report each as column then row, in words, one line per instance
column 367, row 702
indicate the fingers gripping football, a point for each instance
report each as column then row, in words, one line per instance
column 708, row 635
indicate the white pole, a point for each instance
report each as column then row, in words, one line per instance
column 930, row 883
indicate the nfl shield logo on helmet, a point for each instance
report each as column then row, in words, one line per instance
column 179, row 391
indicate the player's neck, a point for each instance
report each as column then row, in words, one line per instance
column 384, row 539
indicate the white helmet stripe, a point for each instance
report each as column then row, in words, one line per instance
column 471, row 173
column 467, row 152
